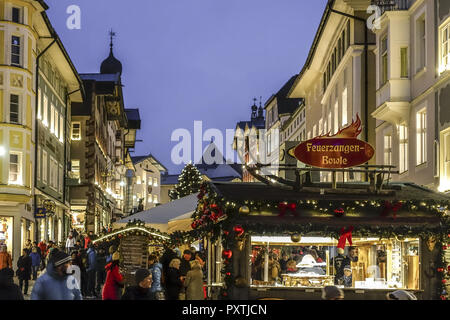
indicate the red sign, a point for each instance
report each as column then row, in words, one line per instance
column 341, row 150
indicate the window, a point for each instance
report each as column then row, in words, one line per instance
column 44, row 166
column 404, row 62
column 445, row 48
column 344, row 107
column 61, row 179
column 384, row 61
column 53, row 173
column 39, row 113
column 155, row 182
column 155, row 198
column 39, row 163
column 336, row 117
column 16, row 15
column 76, row 131
column 75, row 164
column 52, row 118
column 269, row 142
column 14, row 109
column 61, row 128
column 15, row 51
column 403, row 150
column 421, row 125
column 56, row 123
column 45, row 113
column 420, row 43
column 15, row 168
column 387, row 149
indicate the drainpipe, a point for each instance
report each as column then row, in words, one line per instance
column 366, row 76
column 36, row 124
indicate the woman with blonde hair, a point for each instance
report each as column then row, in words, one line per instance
column 174, row 280
column 194, row 282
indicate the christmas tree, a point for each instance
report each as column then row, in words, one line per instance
column 188, row 183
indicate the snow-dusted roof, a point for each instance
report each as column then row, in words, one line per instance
column 164, row 213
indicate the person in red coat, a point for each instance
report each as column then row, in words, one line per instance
column 114, row 279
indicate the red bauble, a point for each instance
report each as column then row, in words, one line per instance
column 444, row 281
column 228, row 273
column 339, row 212
column 292, row 206
column 443, row 297
column 225, row 294
column 227, row 254
column 194, row 225
column 440, row 269
column 238, row 229
column 444, row 247
column 226, row 232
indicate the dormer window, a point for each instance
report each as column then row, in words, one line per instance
column 16, row 15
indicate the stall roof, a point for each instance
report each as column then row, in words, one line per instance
column 240, row 191
column 164, row 213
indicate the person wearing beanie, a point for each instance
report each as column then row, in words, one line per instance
column 401, row 295
column 141, row 291
column 114, row 279
column 332, row 293
column 347, row 278
column 56, row 283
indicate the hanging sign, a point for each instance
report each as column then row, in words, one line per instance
column 342, row 150
column 40, row 213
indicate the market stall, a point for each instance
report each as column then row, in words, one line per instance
column 134, row 242
column 369, row 242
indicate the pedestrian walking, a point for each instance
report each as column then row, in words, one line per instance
column 141, row 291
column 70, row 243
column 35, row 261
column 74, row 268
column 156, row 269
column 194, row 282
column 8, row 289
column 114, row 280
column 101, row 272
column 174, row 280
column 91, row 271
column 56, row 283
column 24, row 265
column 5, row 258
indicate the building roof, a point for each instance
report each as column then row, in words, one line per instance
column 169, row 179
column 152, row 160
column 285, row 105
column 134, row 119
column 164, row 213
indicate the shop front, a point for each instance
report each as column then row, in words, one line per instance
column 281, row 243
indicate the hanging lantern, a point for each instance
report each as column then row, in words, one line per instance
column 296, row 237
column 244, row 210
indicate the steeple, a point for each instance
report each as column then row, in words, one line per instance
column 260, row 109
column 254, row 109
column 111, row 65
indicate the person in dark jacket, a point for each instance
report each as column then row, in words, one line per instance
column 35, row 261
column 56, row 283
column 174, row 280
column 24, row 265
column 155, row 269
column 91, row 271
column 101, row 272
column 141, row 291
column 185, row 265
column 8, row 289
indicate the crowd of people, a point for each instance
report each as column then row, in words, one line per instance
column 81, row 270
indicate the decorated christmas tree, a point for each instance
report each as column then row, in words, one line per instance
column 188, row 183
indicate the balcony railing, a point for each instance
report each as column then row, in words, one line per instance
column 392, row 5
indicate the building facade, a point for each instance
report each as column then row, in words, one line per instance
column 101, row 168
column 148, row 181
column 337, row 80
column 413, row 86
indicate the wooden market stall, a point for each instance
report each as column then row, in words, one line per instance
column 133, row 242
column 398, row 234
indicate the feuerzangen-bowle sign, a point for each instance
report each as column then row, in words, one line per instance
column 342, row 150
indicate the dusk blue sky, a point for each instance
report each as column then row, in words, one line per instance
column 186, row 60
